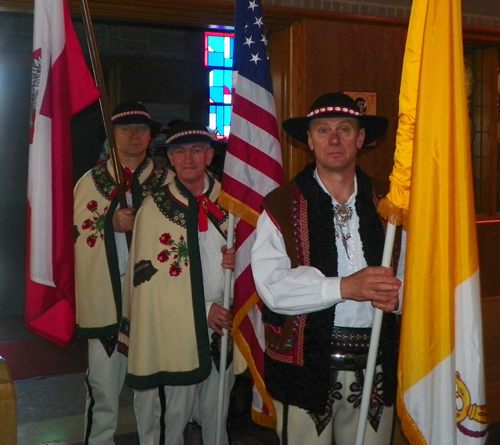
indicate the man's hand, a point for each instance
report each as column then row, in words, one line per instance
column 375, row 284
column 123, row 220
column 228, row 257
column 219, row 318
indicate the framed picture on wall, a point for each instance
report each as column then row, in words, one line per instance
column 367, row 102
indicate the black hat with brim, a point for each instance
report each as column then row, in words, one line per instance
column 133, row 113
column 187, row 132
column 336, row 105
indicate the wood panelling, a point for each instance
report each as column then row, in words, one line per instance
column 491, row 337
column 328, row 57
column 489, row 259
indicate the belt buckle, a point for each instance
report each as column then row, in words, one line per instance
column 348, row 360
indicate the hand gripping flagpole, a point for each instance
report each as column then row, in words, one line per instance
column 224, row 340
column 104, row 103
column 374, row 341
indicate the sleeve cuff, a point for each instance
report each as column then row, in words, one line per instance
column 330, row 290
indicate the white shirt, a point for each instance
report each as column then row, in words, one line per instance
column 305, row 289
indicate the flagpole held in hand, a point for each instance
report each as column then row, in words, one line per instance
column 374, row 341
column 105, row 109
column 224, row 339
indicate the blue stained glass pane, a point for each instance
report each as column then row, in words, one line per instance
column 228, row 79
column 215, row 59
column 217, row 94
column 220, row 55
column 227, row 115
column 216, row 43
column 220, row 119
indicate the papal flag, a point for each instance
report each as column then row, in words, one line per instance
column 61, row 87
column 441, row 398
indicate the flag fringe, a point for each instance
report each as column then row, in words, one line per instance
column 262, row 419
column 408, row 425
column 393, row 214
column 238, row 208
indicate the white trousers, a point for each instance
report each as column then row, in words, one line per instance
column 174, row 406
column 104, row 383
column 343, row 426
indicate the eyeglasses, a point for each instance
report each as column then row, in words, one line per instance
column 195, row 151
column 129, row 129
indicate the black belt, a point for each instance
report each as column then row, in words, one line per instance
column 349, row 348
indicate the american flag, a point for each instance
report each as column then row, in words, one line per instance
column 252, row 169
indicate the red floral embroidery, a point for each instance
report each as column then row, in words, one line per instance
column 165, row 239
column 95, row 223
column 163, row 257
column 91, row 240
column 178, row 251
column 92, row 206
column 175, row 270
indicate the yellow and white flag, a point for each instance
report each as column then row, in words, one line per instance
column 441, row 398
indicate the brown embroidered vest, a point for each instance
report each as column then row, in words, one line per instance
column 297, row 367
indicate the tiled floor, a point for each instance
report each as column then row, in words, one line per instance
column 50, row 409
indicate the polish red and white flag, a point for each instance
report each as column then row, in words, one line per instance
column 61, row 87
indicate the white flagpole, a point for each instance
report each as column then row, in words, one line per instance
column 224, row 339
column 372, row 353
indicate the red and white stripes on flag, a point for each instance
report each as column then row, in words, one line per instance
column 61, row 87
column 252, row 169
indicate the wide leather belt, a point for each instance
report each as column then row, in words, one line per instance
column 349, row 348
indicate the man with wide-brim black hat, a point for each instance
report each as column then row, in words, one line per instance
column 177, row 278
column 101, row 255
column 316, row 263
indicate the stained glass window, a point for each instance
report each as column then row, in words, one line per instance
column 219, row 60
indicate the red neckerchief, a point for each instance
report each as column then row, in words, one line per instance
column 128, row 179
column 205, row 206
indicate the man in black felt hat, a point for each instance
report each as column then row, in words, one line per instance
column 316, row 263
column 176, row 284
column 101, row 255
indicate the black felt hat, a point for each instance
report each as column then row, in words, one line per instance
column 187, row 132
column 133, row 113
column 336, row 105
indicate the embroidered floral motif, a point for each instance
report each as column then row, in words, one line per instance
column 95, row 223
column 165, row 204
column 107, row 186
column 177, row 251
column 334, row 393
column 376, row 399
column 282, row 342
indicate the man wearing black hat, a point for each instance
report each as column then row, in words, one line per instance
column 176, row 282
column 101, row 255
column 316, row 263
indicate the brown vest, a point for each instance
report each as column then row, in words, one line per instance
column 297, row 367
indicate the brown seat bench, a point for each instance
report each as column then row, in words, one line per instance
column 8, row 406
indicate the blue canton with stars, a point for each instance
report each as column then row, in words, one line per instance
column 250, row 43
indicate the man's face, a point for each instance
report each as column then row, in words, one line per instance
column 335, row 142
column 190, row 161
column 132, row 140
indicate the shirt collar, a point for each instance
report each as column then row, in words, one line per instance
column 350, row 201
